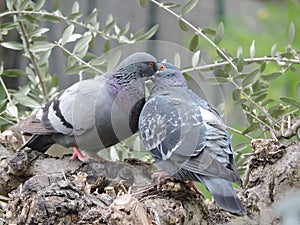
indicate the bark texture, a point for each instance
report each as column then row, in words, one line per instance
column 51, row 190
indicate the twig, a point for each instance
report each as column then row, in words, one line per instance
column 45, row 13
column 77, row 58
column 239, row 132
column 33, row 59
column 198, row 30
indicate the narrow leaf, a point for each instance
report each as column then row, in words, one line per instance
column 194, row 43
column 291, row 33
column 144, row 3
column 240, row 59
column 216, row 80
column 189, row 6
column 177, row 61
column 82, row 46
column 291, row 101
column 274, row 50
column 219, row 33
column 13, row 73
column 41, row 46
column 271, row 76
column 252, row 49
column 171, row 5
column 252, row 127
column 196, row 58
column 251, row 77
column 67, row 34
column 12, row 45
column 182, row 25
column 39, row 4
column 149, row 33
column 26, row 101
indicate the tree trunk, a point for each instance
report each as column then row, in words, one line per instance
column 51, row 190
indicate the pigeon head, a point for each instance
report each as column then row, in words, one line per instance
column 168, row 75
column 138, row 66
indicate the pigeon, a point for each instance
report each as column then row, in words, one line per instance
column 187, row 138
column 93, row 114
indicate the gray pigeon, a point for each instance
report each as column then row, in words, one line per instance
column 93, row 114
column 187, row 138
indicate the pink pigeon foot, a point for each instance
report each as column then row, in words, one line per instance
column 161, row 175
column 77, row 154
column 192, row 185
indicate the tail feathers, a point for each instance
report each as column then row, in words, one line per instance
column 40, row 143
column 224, row 194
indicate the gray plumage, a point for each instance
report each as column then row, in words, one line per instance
column 96, row 113
column 187, row 138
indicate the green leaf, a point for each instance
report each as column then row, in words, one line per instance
column 39, row 5
column 187, row 76
column 252, row 49
column 38, row 32
column 67, row 34
column 52, row 18
column 251, row 78
column 208, row 31
column 13, row 73
column 196, row 58
column 291, row 101
column 76, row 69
column 194, row 43
column 219, row 33
column 82, row 46
column 106, row 46
column 75, row 7
column 8, row 26
column 216, row 80
column 26, row 100
column 144, row 3
column 274, row 50
column 12, row 45
column 44, row 57
column 74, row 16
column 41, row 46
column 240, row 59
column 92, row 18
column 291, row 33
column 260, row 97
column 149, row 33
column 109, row 26
column 182, row 25
column 252, row 127
column 177, row 60
column 171, row 5
column 271, row 76
column 267, row 101
column 189, row 6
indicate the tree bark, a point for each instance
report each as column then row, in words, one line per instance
column 49, row 190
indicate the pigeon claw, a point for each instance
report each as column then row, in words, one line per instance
column 77, row 154
column 159, row 176
column 193, row 185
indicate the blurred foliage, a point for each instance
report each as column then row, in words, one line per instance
column 260, row 63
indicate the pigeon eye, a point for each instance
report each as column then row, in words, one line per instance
column 162, row 67
column 151, row 64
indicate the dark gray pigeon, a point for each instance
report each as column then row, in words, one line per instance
column 93, row 114
column 187, row 138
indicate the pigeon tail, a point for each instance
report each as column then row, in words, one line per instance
column 224, row 194
column 41, row 143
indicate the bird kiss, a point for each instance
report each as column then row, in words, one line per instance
column 184, row 134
